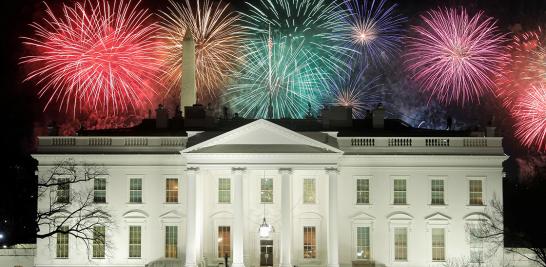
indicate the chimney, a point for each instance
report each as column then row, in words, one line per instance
column 161, row 117
column 378, row 117
column 187, row 85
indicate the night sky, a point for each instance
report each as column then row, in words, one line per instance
column 23, row 113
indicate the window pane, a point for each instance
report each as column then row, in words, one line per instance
column 266, row 194
column 400, row 244
column 135, row 190
column 438, row 244
column 437, row 191
column 62, row 243
column 363, row 243
column 475, row 192
column 399, row 191
column 224, row 190
column 224, row 241
column 309, row 242
column 362, row 191
column 99, row 190
column 171, row 241
column 135, row 241
column 63, row 190
column 309, row 191
column 98, row 241
column 172, row 190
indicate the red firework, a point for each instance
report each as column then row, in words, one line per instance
column 94, row 56
column 454, row 56
column 530, row 115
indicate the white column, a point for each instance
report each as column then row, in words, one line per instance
column 191, row 222
column 286, row 220
column 238, row 218
column 333, row 252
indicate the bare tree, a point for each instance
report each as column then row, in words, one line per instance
column 67, row 203
column 493, row 231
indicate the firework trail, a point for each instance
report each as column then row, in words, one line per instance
column 376, row 29
column 217, row 36
column 453, row 56
column 530, row 115
column 94, row 56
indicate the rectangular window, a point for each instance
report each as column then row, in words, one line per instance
column 224, row 190
column 135, row 241
column 171, row 241
column 99, row 239
column 62, row 243
column 309, row 242
column 475, row 192
column 400, row 244
column 438, row 244
column 400, row 192
column 172, row 190
column 135, row 190
column 437, row 191
column 63, row 190
column 99, row 190
column 363, row 243
column 309, row 188
column 224, row 241
column 266, row 190
column 362, row 191
column 476, row 246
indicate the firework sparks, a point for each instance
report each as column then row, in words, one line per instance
column 217, row 36
column 454, row 56
column 95, row 56
column 376, row 29
column 530, row 115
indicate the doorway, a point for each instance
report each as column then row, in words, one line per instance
column 266, row 253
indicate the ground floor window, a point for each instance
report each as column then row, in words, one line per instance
column 401, row 244
column 438, row 244
column 135, row 241
column 309, row 242
column 62, row 242
column 99, row 241
column 224, row 241
column 171, row 241
column 363, row 243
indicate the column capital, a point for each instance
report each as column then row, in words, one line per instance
column 238, row 170
column 192, row 170
column 285, row 171
column 331, row 171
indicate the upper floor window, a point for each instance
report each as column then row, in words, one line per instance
column 224, row 241
column 438, row 244
column 363, row 243
column 362, row 191
column 224, row 190
column 171, row 190
column 171, row 241
column 63, row 190
column 266, row 190
column 401, row 244
column 475, row 188
column 437, row 191
column 99, row 239
column 62, row 242
column 309, row 242
column 309, row 191
column 135, row 241
column 99, row 190
column 135, row 190
column 400, row 192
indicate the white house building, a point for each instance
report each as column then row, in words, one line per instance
column 353, row 197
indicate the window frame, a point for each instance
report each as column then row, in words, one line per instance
column 262, row 190
column 142, row 195
column 131, row 244
column 444, row 241
column 218, row 190
column 392, row 187
column 356, row 179
column 355, row 241
column 99, row 254
column 105, row 190
column 315, row 245
column 483, row 192
column 58, row 180
column 166, row 240
column 66, row 245
column 445, row 183
column 314, row 202
column 177, row 190
column 217, row 231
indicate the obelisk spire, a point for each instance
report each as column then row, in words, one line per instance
column 188, row 90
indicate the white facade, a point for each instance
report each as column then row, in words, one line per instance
column 333, row 223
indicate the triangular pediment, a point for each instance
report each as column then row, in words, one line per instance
column 261, row 136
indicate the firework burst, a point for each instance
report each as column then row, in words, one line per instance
column 530, row 115
column 94, row 56
column 376, row 29
column 217, row 36
column 454, row 56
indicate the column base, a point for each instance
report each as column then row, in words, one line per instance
column 190, row 265
column 237, row 265
column 333, row 265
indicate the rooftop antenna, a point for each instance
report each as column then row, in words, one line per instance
column 270, row 53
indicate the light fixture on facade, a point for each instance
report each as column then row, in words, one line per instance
column 265, row 229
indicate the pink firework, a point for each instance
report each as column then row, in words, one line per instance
column 530, row 115
column 94, row 55
column 453, row 56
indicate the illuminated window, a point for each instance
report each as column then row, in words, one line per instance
column 475, row 192
column 400, row 191
column 224, row 241
column 266, row 190
column 171, row 241
column 362, row 191
column 63, row 190
column 224, row 190
column 62, row 242
column 401, row 244
column 98, row 241
column 135, row 190
column 309, row 242
column 172, row 190
column 438, row 244
column 437, row 191
column 135, row 241
column 363, row 243
column 99, row 190
column 309, row 188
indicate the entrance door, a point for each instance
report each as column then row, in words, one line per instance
column 266, row 252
